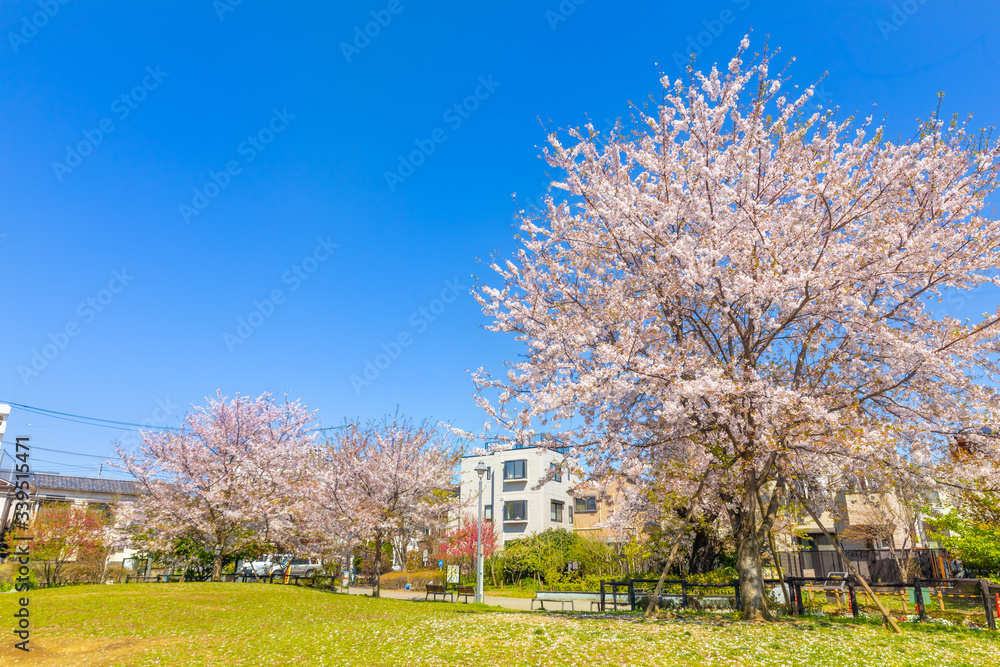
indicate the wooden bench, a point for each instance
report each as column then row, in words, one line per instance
column 466, row 592
column 571, row 597
column 436, row 590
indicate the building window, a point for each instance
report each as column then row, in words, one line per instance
column 515, row 510
column 488, row 512
column 557, row 476
column 571, row 514
column 557, row 511
column 586, row 504
column 515, row 469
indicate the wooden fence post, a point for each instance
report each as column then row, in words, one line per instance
column 984, row 589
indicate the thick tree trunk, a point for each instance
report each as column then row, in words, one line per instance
column 753, row 604
column 749, row 538
column 705, row 549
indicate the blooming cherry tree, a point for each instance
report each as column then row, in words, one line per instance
column 741, row 289
column 229, row 479
column 381, row 481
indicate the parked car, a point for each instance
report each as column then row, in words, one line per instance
column 302, row 567
column 263, row 566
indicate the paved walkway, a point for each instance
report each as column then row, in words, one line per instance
column 519, row 604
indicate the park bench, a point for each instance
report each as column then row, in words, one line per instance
column 466, row 592
column 572, row 597
column 436, row 590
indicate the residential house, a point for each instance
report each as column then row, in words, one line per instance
column 50, row 488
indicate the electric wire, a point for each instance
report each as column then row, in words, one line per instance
column 67, row 416
column 112, row 423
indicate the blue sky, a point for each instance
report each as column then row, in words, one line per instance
column 170, row 169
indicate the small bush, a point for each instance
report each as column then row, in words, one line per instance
column 418, row 580
column 8, row 572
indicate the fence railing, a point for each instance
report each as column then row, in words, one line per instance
column 315, row 581
column 873, row 564
column 965, row 602
column 675, row 592
column 968, row 602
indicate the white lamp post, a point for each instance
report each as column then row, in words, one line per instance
column 480, row 470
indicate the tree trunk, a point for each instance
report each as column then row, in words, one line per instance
column 377, row 567
column 705, row 549
column 217, row 567
column 752, row 602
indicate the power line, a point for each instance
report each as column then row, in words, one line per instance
column 108, row 423
column 62, row 451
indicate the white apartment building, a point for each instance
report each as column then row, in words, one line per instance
column 509, row 496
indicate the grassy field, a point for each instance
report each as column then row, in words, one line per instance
column 241, row 624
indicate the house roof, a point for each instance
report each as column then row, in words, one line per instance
column 47, row 480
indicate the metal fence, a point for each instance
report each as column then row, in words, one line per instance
column 875, row 565
column 973, row 603
column 679, row 593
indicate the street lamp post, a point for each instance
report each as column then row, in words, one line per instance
column 480, row 470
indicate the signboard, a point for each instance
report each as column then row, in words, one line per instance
column 441, row 563
column 452, row 574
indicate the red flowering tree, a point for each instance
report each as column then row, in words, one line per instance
column 460, row 544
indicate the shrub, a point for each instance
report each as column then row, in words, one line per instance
column 8, row 572
column 418, row 580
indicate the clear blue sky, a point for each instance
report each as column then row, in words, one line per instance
column 185, row 92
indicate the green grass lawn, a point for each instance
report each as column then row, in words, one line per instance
column 247, row 624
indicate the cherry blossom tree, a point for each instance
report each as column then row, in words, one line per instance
column 228, row 480
column 382, row 479
column 743, row 286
